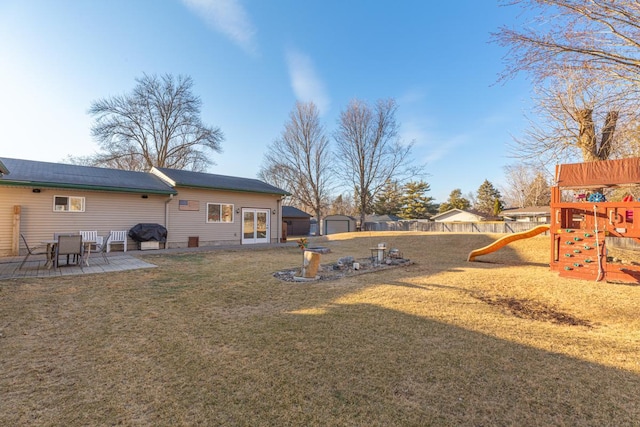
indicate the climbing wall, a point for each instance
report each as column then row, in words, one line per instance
column 577, row 253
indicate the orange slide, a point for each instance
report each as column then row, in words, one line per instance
column 503, row 241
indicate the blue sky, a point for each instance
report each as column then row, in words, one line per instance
column 252, row 59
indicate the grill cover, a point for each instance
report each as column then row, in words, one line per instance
column 148, row 232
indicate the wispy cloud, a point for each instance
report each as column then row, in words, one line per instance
column 412, row 96
column 228, row 17
column 442, row 147
column 306, row 84
column 415, row 131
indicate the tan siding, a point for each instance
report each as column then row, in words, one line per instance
column 184, row 224
column 104, row 211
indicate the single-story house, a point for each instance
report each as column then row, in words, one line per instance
column 459, row 215
column 540, row 214
column 221, row 209
column 339, row 224
column 39, row 199
column 298, row 221
column 385, row 222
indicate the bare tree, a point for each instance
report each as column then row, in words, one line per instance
column 158, row 124
column 299, row 159
column 277, row 175
column 584, row 57
column 526, row 185
column 369, row 151
column 595, row 36
column 579, row 118
column 342, row 205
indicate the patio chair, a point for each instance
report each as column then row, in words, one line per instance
column 91, row 236
column 30, row 251
column 103, row 248
column 69, row 245
column 56, row 237
column 118, row 237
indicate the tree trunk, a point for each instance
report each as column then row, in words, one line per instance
column 318, row 221
column 587, row 142
column 587, row 135
column 607, row 135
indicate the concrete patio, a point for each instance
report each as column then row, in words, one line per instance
column 118, row 261
column 35, row 266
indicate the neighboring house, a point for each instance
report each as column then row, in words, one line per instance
column 529, row 214
column 40, row 198
column 298, row 221
column 382, row 222
column 221, row 209
column 339, row 224
column 459, row 215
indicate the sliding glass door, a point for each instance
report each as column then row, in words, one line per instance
column 255, row 226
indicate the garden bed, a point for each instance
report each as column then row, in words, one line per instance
column 334, row 271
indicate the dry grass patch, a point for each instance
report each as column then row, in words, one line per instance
column 213, row 339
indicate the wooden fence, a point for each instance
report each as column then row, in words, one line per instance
column 452, row 227
column 479, row 227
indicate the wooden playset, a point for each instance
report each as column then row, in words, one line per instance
column 579, row 228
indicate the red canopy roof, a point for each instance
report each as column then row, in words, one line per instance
column 604, row 173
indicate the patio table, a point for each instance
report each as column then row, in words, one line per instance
column 51, row 250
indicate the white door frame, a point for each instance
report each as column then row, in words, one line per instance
column 254, row 235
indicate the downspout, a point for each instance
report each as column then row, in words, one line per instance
column 166, row 217
column 279, row 219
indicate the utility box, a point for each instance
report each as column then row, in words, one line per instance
column 145, row 246
column 194, row 242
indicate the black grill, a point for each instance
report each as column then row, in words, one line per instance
column 148, row 232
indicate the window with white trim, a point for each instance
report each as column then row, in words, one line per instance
column 68, row 204
column 219, row 212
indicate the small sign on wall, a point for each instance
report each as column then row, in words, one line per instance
column 188, row 205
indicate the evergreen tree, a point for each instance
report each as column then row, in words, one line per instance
column 497, row 207
column 389, row 200
column 455, row 201
column 416, row 204
column 489, row 199
column 539, row 192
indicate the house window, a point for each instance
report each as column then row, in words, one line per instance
column 68, row 204
column 219, row 212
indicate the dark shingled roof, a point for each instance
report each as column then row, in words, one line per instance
column 3, row 170
column 526, row 211
column 291, row 212
column 219, row 182
column 42, row 174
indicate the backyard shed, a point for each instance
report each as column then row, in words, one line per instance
column 298, row 221
column 339, row 224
